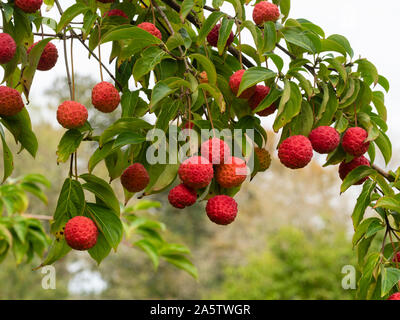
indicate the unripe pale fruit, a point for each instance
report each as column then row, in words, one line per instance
column 394, row 296
column 7, row 48
column 116, row 13
column 135, row 178
column 264, row 158
column 234, row 83
column 215, row 150
column 182, row 196
column 203, row 78
column 196, row 172
column 260, row 93
column 151, row 28
column 353, row 141
column 221, row 209
column 71, row 114
column 265, row 11
column 324, row 139
column 10, row 101
column 231, row 174
column 81, row 233
column 49, row 56
column 29, row 6
column 295, row 152
column 105, row 97
column 213, row 36
column 346, row 167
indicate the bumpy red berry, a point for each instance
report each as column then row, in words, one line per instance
column 295, row 152
column 10, row 101
column 196, row 172
column 265, row 11
column 234, row 83
column 71, row 114
column 264, row 158
column 221, row 209
column 260, row 93
column 7, row 48
column 116, row 13
column 105, row 97
column 213, row 36
column 232, row 173
column 324, row 139
column 150, row 28
column 396, row 258
column 346, row 167
column 81, row 233
column 29, row 6
column 182, row 196
column 215, row 150
column 353, row 141
column 135, row 178
column 394, row 296
column 49, row 56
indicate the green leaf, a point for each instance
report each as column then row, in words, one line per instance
column 334, row 62
column 270, row 37
column 208, row 66
column 129, row 101
column 108, row 223
column 57, row 250
column 150, row 58
column 161, row 176
column 363, row 202
column 71, row 203
column 379, row 104
column 363, row 227
column 186, row 7
column 302, row 124
column 224, row 33
column 330, row 45
column 390, row 276
column 217, row 95
column 69, row 143
column 355, row 175
column 102, row 190
column 159, row 92
column 207, row 26
column 299, row 38
column 183, row 263
column 384, row 83
column 342, row 41
column 8, row 163
column 388, row 202
column 285, row 8
column 101, row 249
column 272, row 96
column 70, row 14
column 254, row 75
column 384, row 144
column 147, row 247
column 368, row 70
column 304, row 83
column 129, row 125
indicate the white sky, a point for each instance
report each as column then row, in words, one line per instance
column 370, row 26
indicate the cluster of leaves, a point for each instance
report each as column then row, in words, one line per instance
column 322, row 85
column 23, row 235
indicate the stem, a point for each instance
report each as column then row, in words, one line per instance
column 99, row 47
column 37, row 216
column 72, row 70
column 67, row 68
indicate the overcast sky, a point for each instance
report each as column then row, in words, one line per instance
column 371, row 27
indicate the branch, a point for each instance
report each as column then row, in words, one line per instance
column 37, row 216
column 383, row 173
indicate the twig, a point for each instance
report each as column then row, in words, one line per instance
column 383, row 173
column 37, row 216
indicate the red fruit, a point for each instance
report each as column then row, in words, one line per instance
column 265, row 11
column 7, row 48
column 135, row 178
column 10, row 101
column 105, row 97
column 295, row 152
column 81, row 233
column 234, row 83
column 221, row 209
column 394, row 296
column 260, row 93
column 215, row 150
column 188, row 125
column 324, row 139
column 29, row 6
column 353, row 141
column 49, row 56
column 232, row 173
column 196, row 172
column 212, row 37
column 396, row 258
column 71, row 114
column 115, row 12
column 346, row 167
column 182, row 196
column 151, row 28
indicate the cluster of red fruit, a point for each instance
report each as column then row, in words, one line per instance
column 296, row 151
